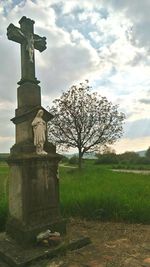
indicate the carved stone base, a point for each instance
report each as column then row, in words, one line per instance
column 26, row 235
column 33, row 196
column 16, row 256
column 27, row 147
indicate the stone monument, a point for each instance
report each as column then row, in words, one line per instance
column 33, row 185
column 33, row 162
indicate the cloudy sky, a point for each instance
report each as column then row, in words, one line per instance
column 105, row 41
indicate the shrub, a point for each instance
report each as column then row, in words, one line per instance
column 73, row 160
column 64, row 159
column 110, row 158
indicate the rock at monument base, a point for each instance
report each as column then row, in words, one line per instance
column 26, row 235
column 16, row 256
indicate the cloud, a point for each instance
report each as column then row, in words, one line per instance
column 6, row 140
column 127, row 144
column 140, row 58
column 103, row 41
column 145, row 101
column 138, row 13
column 131, row 129
column 68, row 57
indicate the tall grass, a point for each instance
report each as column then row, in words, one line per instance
column 95, row 193
column 99, row 193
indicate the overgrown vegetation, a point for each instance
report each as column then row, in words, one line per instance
column 3, row 157
column 98, row 193
column 95, row 193
column 126, row 160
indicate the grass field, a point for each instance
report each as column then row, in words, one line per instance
column 130, row 166
column 99, row 193
column 96, row 193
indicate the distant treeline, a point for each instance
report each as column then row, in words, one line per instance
column 3, row 156
column 125, row 158
column 112, row 158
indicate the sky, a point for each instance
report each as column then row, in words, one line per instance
column 104, row 41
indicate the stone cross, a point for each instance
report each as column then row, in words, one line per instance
column 29, row 41
column 33, row 161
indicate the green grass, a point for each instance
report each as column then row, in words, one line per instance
column 99, row 193
column 130, row 166
column 95, row 193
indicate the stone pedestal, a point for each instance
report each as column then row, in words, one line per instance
column 33, row 197
column 33, row 184
column 24, row 131
column 26, row 103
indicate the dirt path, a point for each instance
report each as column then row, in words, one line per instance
column 67, row 166
column 113, row 245
column 132, row 171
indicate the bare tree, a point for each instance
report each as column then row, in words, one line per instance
column 84, row 120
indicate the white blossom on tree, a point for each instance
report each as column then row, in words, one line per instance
column 84, row 120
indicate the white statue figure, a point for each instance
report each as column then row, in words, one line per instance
column 30, row 46
column 39, row 129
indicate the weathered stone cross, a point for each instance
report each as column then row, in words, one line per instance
column 29, row 41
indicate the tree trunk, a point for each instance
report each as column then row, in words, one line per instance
column 80, row 160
